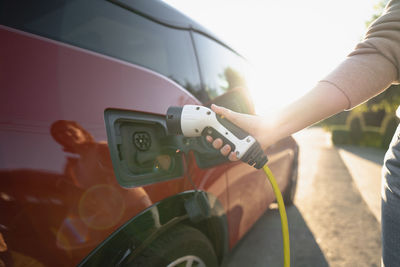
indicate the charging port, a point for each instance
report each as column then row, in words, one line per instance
column 139, row 154
column 142, row 141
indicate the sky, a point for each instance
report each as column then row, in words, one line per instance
column 291, row 44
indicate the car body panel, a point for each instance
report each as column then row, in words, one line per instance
column 50, row 188
column 121, row 248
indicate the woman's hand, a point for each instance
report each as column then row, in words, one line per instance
column 254, row 125
column 322, row 101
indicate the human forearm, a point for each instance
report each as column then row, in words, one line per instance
column 323, row 101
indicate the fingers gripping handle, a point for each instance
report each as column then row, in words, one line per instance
column 193, row 121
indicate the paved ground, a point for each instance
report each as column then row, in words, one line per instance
column 331, row 223
column 365, row 165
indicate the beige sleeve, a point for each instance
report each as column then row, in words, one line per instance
column 374, row 64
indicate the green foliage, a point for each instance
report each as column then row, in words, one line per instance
column 355, row 134
column 366, row 138
column 372, row 118
column 338, row 119
column 371, row 139
column 373, row 112
column 340, row 137
column 356, row 131
column 379, row 7
column 389, row 100
column 388, row 130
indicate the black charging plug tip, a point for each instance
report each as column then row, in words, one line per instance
column 173, row 119
column 255, row 157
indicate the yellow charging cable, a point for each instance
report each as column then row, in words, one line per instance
column 282, row 212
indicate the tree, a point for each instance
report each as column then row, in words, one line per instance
column 379, row 7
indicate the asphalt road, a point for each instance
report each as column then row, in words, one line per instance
column 330, row 223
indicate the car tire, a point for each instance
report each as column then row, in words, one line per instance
column 290, row 191
column 178, row 247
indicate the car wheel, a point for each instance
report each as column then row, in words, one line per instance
column 290, row 191
column 180, row 246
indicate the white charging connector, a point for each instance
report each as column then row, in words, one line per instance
column 194, row 121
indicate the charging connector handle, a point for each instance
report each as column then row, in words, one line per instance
column 195, row 120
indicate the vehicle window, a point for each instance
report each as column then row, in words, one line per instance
column 106, row 28
column 221, row 68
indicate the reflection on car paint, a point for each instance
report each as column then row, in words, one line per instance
column 74, row 207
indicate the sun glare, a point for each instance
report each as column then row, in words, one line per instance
column 291, row 44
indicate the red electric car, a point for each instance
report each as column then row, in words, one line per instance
column 88, row 174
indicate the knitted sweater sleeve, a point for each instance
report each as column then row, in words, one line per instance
column 375, row 62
